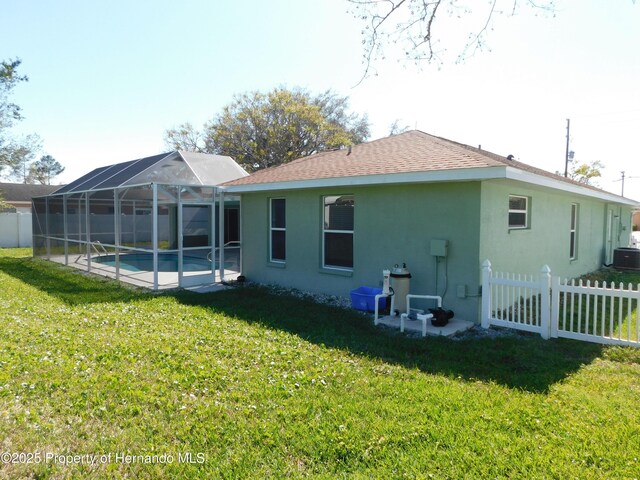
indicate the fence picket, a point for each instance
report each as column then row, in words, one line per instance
column 629, row 301
column 573, row 282
column 523, row 302
column 638, row 314
column 564, row 307
column 579, row 329
column 588, row 316
column 519, row 300
column 595, row 310
column 611, row 302
column 620, row 315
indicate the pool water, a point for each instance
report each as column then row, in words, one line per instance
column 143, row 262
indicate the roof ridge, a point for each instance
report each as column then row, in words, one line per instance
column 528, row 167
column 413, row 151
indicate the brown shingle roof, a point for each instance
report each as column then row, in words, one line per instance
column 23, row 192
column 408, row 152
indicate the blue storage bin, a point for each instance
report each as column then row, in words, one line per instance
column 364, row 298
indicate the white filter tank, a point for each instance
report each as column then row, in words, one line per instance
column 401, row 283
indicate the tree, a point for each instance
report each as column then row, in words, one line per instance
column 9, row 78
column 19, row 154
column 15, row 153
column 586, row 173
column 4, row 206
column 260, row 130
column 184, row 137
column 44, row 170
column 414, row 25
column 395, row 128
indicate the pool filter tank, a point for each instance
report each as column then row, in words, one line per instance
column 401, row 282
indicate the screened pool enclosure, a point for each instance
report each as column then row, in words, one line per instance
column 158, row 222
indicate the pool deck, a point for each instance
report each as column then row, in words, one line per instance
column 201, row 282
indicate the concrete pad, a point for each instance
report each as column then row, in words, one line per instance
column 454, row 326
column 213, row 287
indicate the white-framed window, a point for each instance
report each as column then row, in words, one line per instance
column 277, row 230
column 518, row 212
column 337, row 231
column 573, row 232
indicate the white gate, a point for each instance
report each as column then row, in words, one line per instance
column 551, row 308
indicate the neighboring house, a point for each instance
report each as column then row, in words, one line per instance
column 19, row 195
column 15, row 222
column 331, row 222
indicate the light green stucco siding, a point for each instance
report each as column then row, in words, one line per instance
column 546, row 241
column 396, row 224
column 392, row 224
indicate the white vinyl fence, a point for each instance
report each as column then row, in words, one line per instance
column 15, row 230
column 554, row 308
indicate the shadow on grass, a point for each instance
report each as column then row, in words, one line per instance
column 71, row 286
column 520, row 361
column 524, row 361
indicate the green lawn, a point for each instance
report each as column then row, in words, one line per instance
column 257, row 385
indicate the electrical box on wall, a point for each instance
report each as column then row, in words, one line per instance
column 439, row 248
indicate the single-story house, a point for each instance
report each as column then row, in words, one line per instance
column 19, row 195
column 332, row 221
column 15, row 212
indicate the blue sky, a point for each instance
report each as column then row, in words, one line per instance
column 108, row 78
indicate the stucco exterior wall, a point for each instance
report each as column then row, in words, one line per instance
column 395, row 224
column 547, row 239
column 392, row 224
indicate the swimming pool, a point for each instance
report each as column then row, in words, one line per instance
column 143, row 262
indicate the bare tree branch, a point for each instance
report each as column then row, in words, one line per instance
column 412, row 24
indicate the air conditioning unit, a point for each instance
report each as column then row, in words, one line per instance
column 626, row 258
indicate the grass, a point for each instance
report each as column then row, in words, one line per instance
column 257, row 385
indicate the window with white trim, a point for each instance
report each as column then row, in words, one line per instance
column 573, row 232
column 518, row 212
column 337, row 231
column 277, row 230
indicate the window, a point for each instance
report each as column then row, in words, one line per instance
column 278, row 234
column 518, row 212
column 337, row 232
column 573, row 232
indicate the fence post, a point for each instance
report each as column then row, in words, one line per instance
column 545, row 307
column 555, row 307
column 486, row 293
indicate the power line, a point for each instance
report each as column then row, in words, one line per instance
column 622, row 180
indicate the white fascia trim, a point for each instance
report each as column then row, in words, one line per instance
column 528, row 177
column 459, row 175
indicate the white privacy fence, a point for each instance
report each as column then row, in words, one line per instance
column 15, row 230
column 546, row 305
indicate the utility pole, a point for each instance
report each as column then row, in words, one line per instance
column 622, row 194
column 566, row 155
